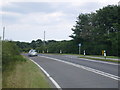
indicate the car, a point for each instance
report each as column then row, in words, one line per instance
column 32, row 52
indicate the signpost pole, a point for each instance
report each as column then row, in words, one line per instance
column 79, row 48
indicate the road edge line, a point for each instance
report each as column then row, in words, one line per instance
column 45, row 72
column 105, row 62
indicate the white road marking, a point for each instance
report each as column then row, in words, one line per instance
column 87, row 68
column 94, row 61
column 98, row 61
column 53, row 81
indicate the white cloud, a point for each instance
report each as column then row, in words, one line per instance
column 42, row 18
column 108, row 1
column 73, row 2
column 28, row 26
column 10, row 13
column 31, row 26
column 27, row 32
column 5, row 3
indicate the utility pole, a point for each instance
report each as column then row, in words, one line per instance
column 44, row 43
column 44, row 38
column 3, row 33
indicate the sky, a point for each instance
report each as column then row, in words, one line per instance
column 26, row 20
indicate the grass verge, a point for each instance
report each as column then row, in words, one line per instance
column 108, row 60
column 113, row 57
column 25, row 75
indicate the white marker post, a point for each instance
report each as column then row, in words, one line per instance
column 60, row 51
column 79, row 47
column 47, row 50
column 105, row 54
column 84, row 52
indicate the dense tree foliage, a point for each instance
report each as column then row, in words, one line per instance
column 95, row 31
column 51, row 46
column 98, row 31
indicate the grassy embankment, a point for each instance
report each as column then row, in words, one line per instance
column 18, row 72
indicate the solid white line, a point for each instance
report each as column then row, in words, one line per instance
column 86, row 68
column 98, row 61
column 94, row 61
column 53, row 81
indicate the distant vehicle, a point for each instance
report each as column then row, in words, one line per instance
column 32, row 52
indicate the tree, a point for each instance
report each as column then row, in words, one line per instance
column 98, row 31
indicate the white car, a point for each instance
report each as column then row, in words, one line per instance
column 32, row 52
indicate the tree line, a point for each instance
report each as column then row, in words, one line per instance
column 51, row 46
column 95, row 31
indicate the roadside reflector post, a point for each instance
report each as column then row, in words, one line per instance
column 60, row 51
column 84, row 52
column 105, row 54
column 47, row 50
column 79, row 48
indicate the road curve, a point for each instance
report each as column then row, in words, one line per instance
column 69, row 76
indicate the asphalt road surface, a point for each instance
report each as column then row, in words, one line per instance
column 72, row 72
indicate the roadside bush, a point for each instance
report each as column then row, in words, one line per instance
column 10, row 55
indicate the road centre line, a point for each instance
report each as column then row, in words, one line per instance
column 87, row 68
column 45, row 72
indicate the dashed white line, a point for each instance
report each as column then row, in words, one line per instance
column 53, row 81
column 87, row 68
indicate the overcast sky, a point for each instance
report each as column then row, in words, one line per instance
column 27, row 20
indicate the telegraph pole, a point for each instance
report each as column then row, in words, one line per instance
column 44, row 43
column 44, row 38
column 3, row 33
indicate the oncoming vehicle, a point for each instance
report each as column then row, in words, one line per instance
column 32, row 52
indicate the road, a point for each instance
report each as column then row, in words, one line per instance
column 72, row 72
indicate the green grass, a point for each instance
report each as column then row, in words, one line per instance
column 108, row 60
column 114, row 57
column 25, row 75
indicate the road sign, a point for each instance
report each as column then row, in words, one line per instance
column 102, row 52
